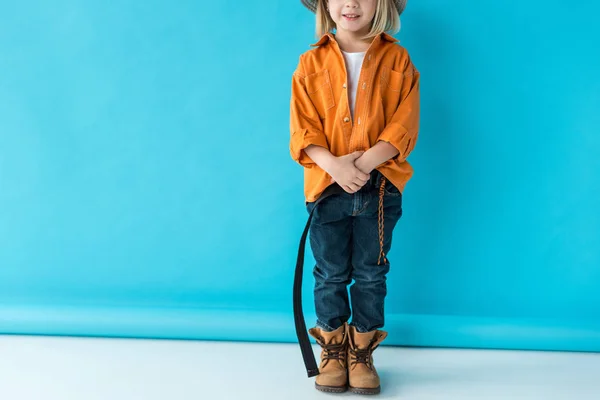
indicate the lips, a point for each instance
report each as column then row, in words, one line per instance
column 351, row 16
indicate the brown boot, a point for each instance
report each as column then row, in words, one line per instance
column 333, row 371
column 363, row 377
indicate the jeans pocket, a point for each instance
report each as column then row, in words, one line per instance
column 391, row 190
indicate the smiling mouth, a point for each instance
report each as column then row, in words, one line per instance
column 351, row 17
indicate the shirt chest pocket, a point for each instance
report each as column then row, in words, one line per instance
column 390, row 85
column 320, row 91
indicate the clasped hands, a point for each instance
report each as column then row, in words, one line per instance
column 351, row 171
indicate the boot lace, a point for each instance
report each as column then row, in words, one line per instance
column 333, row 351
column 362, row 356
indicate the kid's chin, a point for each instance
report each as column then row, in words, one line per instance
column 351, row 28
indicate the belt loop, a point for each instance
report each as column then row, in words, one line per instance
column 378, row 178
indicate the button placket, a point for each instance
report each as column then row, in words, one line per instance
column 367, row 73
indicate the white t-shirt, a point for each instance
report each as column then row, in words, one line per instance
column 353, row 65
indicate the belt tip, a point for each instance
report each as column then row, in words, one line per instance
column 313, row 372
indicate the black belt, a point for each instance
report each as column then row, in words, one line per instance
column 307, row 353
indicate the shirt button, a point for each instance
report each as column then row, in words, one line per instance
column 344, row 86
column 346, row 119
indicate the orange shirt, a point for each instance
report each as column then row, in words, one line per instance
column 386, row 108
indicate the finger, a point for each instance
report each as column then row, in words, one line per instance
column 357, row 154
column 359, row 174
column 361, row 178
column 354, row 187
column 347, row 189
column 359, row 182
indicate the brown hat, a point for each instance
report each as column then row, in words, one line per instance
column 312, row 5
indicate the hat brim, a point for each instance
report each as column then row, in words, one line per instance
column 312, row 5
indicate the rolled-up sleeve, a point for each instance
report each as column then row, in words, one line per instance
column 403, row 129
column 305, row 125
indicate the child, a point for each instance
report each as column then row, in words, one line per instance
column 354, row 120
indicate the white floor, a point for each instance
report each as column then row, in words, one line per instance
column 58, row 368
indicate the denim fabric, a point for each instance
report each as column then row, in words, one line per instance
column 344, row 237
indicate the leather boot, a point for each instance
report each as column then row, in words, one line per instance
column 362, row 375
column 333, row 371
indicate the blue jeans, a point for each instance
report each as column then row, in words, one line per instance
column 344, row 237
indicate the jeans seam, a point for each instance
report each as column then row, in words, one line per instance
column 359, row 327
column 322, row 324
column 364, row 207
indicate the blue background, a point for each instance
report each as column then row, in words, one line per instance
column 146, row 186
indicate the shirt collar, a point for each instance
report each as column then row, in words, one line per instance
column 330, row 36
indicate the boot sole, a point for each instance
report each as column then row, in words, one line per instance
column 331, row 389
column 376, row 390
